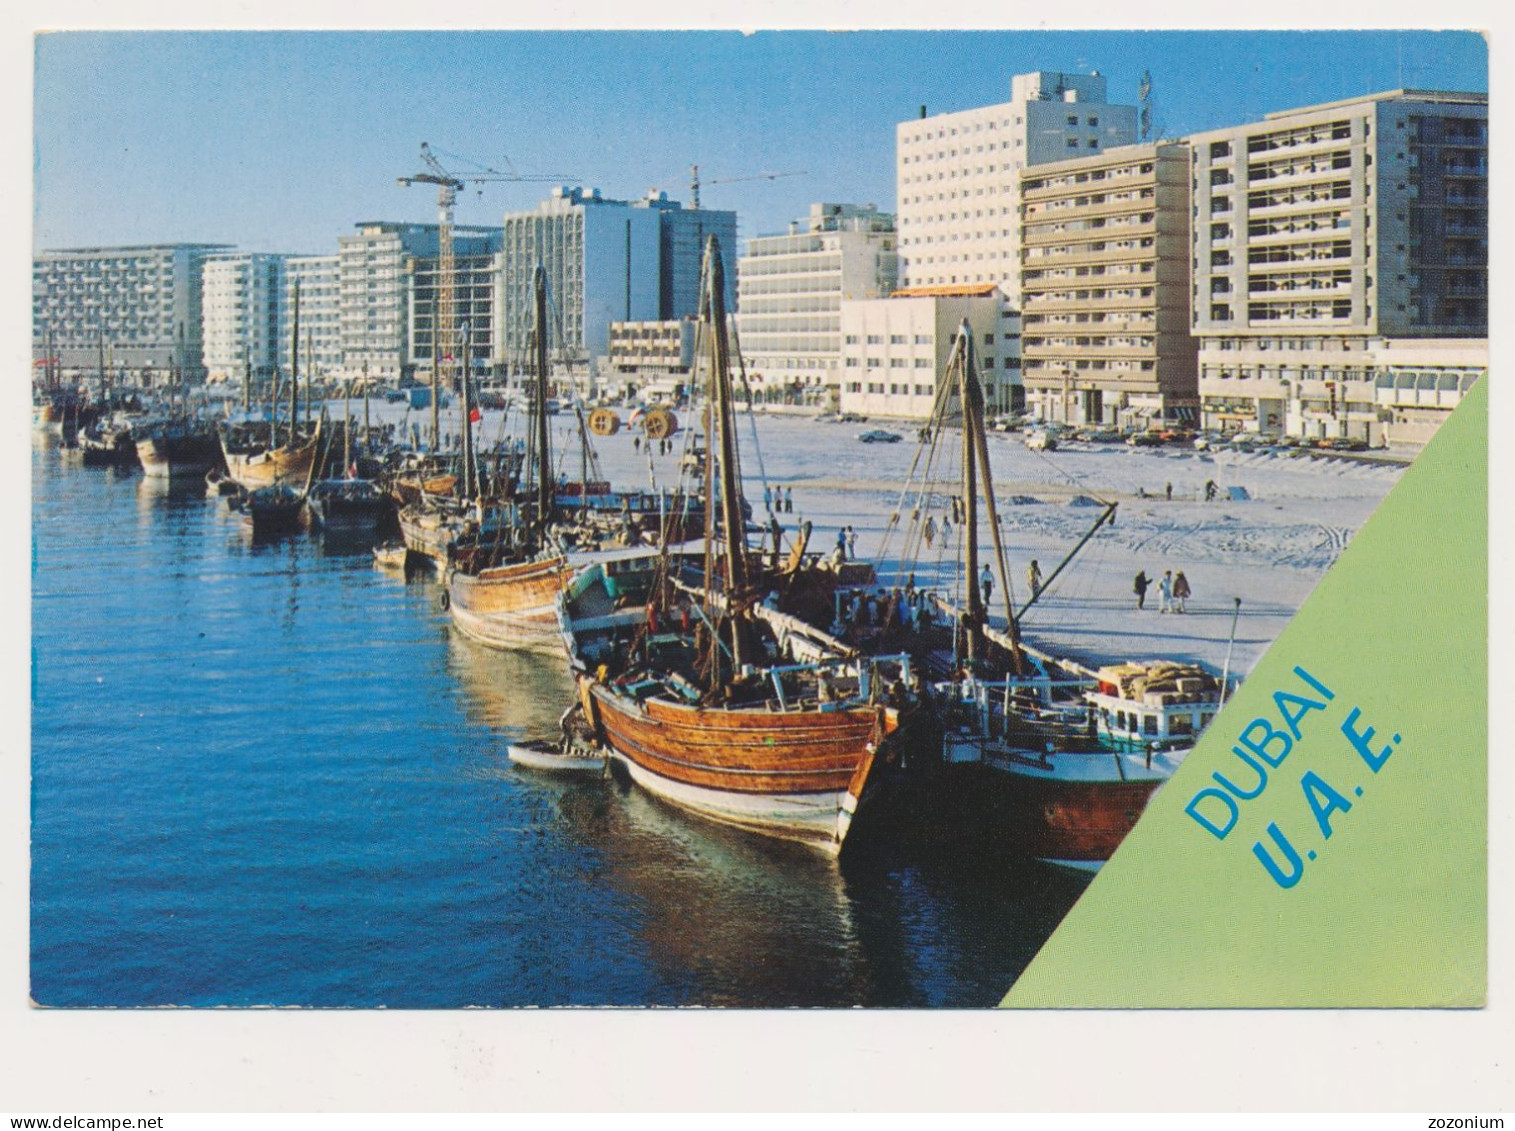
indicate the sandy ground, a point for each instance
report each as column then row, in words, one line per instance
column 1269, row 550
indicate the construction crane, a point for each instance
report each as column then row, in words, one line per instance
column 448, row 186
column 695, row 182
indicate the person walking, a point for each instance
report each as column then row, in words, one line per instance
column 851, row 543
column 1210, row 490
column 1034, row 576
column 986, row 582
column 1165, row 591
column 788, row 500
column 1169, row 490
column 1180, row 591
column 841, row 544
column 1139, row 587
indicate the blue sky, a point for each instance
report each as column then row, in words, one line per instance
column 277, row 141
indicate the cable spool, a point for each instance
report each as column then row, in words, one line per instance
column 660, row 424
column 604, row 422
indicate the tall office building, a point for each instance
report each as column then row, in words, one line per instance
column 682, row 234
column 958, row 175
column 1105, row 288
column 143, row 303
column 602, row 259
column 1328, row 241
column 791, row 290
column 240, row 309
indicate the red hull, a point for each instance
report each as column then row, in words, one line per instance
column 1076, row 821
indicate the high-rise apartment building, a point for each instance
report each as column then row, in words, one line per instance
column 320, row 280
column 1105, row 288
column 958, row 175
column 791, row 290
column 240, row 309
column 373, row 266
column 602, row 259
column 1323, row 238
column 142, row 303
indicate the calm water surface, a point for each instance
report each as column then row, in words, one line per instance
column 269, row 773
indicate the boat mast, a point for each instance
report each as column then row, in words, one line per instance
column 975, row 403
column 470, row 470
column 310, row 376
column 973, row 616
column 544, row 457
column 246, row 380
column 294, row 361
column 735, row 533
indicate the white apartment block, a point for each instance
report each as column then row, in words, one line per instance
column 791, row 288
column 957, row 175
column 373, row 267
column 1105, row 288
column 602, row 259
column 320, row 280
column 240, row 309
column 895, row 350
column 1328, row 239
column 142, row 303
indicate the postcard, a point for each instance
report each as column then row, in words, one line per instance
column 661, row 519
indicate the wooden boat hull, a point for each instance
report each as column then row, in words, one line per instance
column 510, row 607
column 429, row 534
column 793, row 775
column 293, row 465
column 1074, row 822
column 177, row 457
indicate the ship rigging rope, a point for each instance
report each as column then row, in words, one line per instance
column 927, row 447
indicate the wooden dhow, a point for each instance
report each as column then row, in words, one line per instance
column 502, row 586
column 254, row 456
column 1072, row 756
column 711, row 698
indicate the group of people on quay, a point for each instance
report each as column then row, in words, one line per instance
column 1172, row 589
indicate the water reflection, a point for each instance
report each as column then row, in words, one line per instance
column 514, row 694
column 292, row 752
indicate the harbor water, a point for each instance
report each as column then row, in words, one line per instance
column 270, row 773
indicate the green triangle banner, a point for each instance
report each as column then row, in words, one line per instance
column 1325, row 844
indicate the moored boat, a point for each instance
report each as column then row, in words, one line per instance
column 1071, row 756
column 561, row 756
column 349, row 504
column 276, row 509
column 711, row 698
column 177, row 447
column 508, row 605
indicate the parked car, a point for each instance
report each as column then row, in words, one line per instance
column 1099, row 435
column 1342, row 444
column 851, row 418
column 879, row 436
column 1041, row 440
column 1145, row 440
